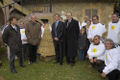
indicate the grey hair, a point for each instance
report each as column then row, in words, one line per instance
column 111, row 42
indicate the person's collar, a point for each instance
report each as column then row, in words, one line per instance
column 57, row 20
column 13, row 26
column 109, row 49
column 69, row 20
column 96, row 44
column 96, row 23
column 32, row 21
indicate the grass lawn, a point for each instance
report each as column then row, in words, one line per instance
column 49, row 71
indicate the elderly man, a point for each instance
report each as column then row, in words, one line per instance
column 33, row 33
column 96, row 28
column 114, row 29
column 112, row 61
column 71, row 38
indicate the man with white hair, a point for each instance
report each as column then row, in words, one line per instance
column 33, row 34
column 112, row 61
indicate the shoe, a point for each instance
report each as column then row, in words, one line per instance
column 61, row 64
column 34, row 61
column 68, row 63
column 14, row 71
column 72, row 64
column 22, row 66
column 55, row 62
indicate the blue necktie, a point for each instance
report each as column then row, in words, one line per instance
column 56, row 24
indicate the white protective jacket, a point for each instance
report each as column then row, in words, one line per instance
column 112, row 60
column 96, row 29
column 96, row 50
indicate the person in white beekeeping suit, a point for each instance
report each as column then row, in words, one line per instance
column 96, row 28
column 111, row 58
column 96, row 52
column 114, row 29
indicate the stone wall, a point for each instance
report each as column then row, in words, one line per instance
column 78, row 9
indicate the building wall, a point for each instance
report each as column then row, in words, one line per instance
column 1, row 17
column 78, row 9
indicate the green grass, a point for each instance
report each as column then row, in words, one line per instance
column 49, row 71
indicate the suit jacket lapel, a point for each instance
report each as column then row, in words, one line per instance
column 13, row 28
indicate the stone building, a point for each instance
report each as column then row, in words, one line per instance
column 79, row 8
column 46, row 8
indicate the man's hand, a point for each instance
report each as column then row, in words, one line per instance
column 95, row 59
column 56, row 39
column 24, row 39
column 87, row 56
column 103, row 75
column 91, row 40
column 91, row 60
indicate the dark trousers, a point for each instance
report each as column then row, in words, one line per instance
column 32, row 53
column 114, row 75
column 25, row 51
column 59, row 52
column 12, row 58
column 70, row 60
column 81, row 55
column 97, row 64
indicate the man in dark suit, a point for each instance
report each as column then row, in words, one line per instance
column 71, row 38
column 11, row 36
column 57, row 34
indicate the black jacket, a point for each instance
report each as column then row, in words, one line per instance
column 12, row 38
column 59, row 31
column 83, row 42
column 71, row 38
